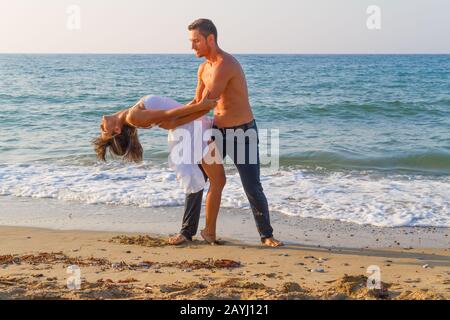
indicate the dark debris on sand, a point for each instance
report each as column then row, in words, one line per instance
column 145, row 241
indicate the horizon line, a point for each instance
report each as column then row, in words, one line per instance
column 240, row 53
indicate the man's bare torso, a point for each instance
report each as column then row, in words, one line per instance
column 233, row 108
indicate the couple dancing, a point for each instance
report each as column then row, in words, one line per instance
column 221, row 86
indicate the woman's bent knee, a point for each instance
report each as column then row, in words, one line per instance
column 218, row 183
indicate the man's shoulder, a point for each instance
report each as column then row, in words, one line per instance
column 229, row 65
column 201, row 67
column 230, row 61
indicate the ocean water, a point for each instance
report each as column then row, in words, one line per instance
column 363, row 138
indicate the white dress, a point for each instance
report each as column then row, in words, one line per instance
column 187, row 171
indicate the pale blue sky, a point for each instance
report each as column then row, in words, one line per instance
column 245, row 26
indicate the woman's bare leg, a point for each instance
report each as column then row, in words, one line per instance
column 216, row 174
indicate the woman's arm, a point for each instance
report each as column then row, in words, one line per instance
column 172, row 124
column 145, row 118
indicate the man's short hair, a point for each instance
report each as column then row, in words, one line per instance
column 205, row 27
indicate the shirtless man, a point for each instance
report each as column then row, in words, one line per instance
column 221, row 76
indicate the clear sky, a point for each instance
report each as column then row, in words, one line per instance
column 245, row 26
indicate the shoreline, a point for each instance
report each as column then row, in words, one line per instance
column 236, row 224
column 114, row 265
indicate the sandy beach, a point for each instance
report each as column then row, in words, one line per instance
column 33, row 265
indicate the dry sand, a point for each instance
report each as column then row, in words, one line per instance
column 33, row 265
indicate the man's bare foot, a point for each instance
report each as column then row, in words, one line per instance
column 272, row 242
column 177, row 240
column 211, row 239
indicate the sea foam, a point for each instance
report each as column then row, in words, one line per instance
column 353, row 196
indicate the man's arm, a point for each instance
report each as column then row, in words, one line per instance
column 220, row 78
column 200, row 85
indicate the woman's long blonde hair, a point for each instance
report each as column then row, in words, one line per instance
column 126, row 145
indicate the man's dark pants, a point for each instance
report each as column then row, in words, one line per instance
column 249, row 171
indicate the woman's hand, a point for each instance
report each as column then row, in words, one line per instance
column 206, row 103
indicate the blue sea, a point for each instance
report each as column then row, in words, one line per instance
column 363, row 138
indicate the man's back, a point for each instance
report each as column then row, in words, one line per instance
column 233, row 108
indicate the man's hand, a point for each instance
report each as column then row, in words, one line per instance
column 206, row 103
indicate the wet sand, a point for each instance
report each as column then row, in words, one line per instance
column 232, row 223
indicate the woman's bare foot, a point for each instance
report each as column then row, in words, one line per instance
column 177, row 239
column 211, row 239
column 272, row 242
